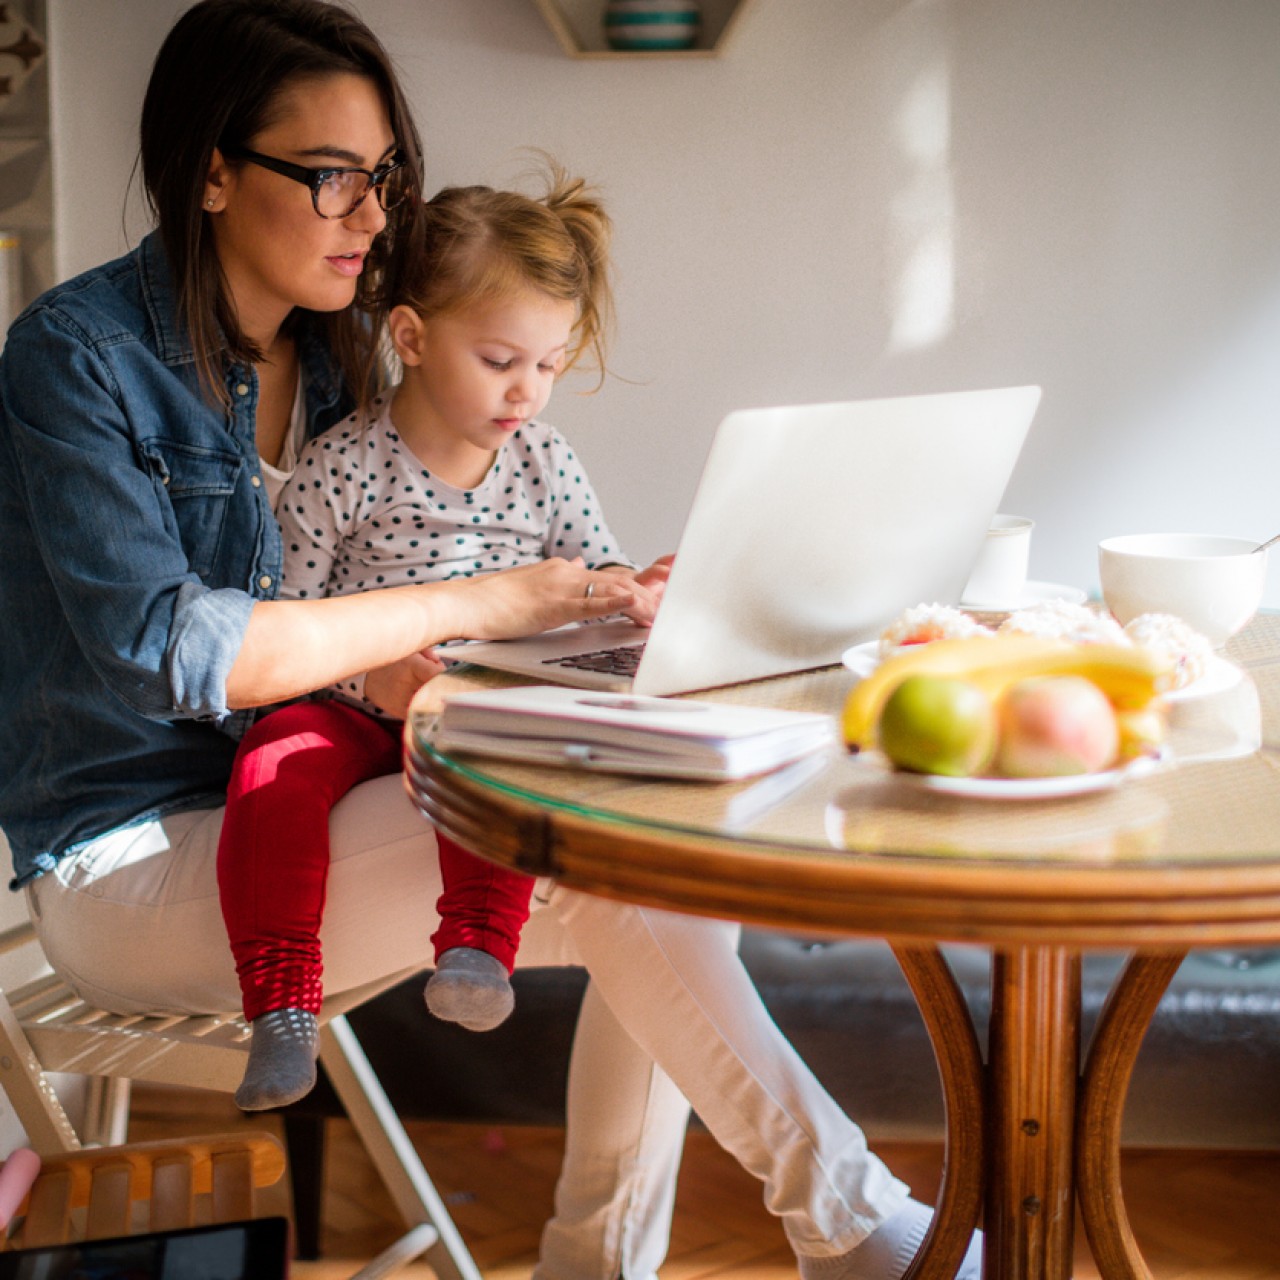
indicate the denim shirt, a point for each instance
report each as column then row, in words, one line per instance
column 135, row 536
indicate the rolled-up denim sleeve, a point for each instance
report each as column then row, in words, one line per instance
column 208, row 629
column 159, row 637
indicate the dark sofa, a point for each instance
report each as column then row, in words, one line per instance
column 1208, row 1074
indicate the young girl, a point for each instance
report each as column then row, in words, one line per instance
column 449, row 476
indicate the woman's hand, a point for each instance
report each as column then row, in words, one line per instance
column 534, row 598
column 648, row 584
column 391, row 688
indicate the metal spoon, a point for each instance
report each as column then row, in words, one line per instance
column 1270, row 542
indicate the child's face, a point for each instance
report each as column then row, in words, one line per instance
column 483, row 372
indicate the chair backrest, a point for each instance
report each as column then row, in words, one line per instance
column 146, row 1187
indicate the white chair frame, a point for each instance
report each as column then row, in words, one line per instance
column 45, row 1027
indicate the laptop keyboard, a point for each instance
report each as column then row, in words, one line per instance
column 622, row 660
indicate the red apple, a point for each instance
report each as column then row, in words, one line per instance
column 1055, row 725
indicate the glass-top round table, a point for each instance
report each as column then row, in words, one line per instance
column 1186, row 855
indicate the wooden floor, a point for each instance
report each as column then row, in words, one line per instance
column 1197, row 1216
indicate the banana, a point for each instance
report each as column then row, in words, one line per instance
column 1130, row 676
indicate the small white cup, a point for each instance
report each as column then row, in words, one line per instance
column 999, row 575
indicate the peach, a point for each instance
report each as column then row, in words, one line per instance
column 1055, row 725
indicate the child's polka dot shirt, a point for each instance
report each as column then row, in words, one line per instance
column 362, row 512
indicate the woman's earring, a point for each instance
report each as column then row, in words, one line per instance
column 208, row 204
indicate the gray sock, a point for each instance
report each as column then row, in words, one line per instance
column 888, row 1251
column 471, row 988
column 282, row 1059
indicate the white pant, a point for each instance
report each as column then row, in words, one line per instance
column 133, row 924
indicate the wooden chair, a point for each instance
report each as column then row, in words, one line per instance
column 97, row 1194
column 45, row 1027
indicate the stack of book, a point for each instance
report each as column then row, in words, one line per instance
column 621, row 733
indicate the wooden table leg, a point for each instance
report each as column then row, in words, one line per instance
column 1124, row 1021
column 955, row 1046
column 1033, row 1071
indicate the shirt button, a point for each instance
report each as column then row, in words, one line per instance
column 256, row 481
column 242, row 389
column 265, row 581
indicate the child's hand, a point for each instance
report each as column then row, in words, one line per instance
column 649, row 585
column 392, row 687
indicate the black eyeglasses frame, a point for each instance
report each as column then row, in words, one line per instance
column 316, row 178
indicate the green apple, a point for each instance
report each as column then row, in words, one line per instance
column 938, row 724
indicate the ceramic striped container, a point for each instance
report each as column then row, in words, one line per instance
column 644, row 25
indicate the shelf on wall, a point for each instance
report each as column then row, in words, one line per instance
column 579, row 27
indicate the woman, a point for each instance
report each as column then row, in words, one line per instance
column 148, row 411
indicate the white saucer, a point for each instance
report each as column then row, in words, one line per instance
column 1032, row 593
column 1220, row 674
column 862, row 659
column 1033, row 788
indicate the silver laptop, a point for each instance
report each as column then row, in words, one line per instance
column 812, row 527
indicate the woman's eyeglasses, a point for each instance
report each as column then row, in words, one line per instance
column 336, row 193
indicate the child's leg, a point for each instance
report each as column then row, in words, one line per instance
column 482, row 910
column 483, row 905
column 273, row 860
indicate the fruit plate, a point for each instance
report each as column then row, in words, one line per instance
column 1036, row 788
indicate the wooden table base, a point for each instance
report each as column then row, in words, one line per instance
column 1125, row 1018
column 1030, row 1133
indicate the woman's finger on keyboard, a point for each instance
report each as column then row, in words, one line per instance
column 605, row 593
column 646, row 604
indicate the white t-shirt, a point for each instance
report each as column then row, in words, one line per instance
column 274, row 478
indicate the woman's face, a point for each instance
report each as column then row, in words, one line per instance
column 277, row 253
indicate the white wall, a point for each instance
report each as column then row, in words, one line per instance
column 867, row 198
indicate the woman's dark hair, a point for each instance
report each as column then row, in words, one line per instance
column 218, row 81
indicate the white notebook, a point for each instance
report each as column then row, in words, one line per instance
column 623, row 733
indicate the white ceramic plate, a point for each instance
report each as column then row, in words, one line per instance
column 1032, row 593
column 862, row 659
column 1220, row 674
column 1033, row 788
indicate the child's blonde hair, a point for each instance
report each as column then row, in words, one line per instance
column 475, row 244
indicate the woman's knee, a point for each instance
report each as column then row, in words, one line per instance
column 627, row 923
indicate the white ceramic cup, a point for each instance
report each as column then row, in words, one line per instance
column 1213, row 584
column 999, row 575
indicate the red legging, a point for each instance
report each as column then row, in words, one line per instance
column 293, row 766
